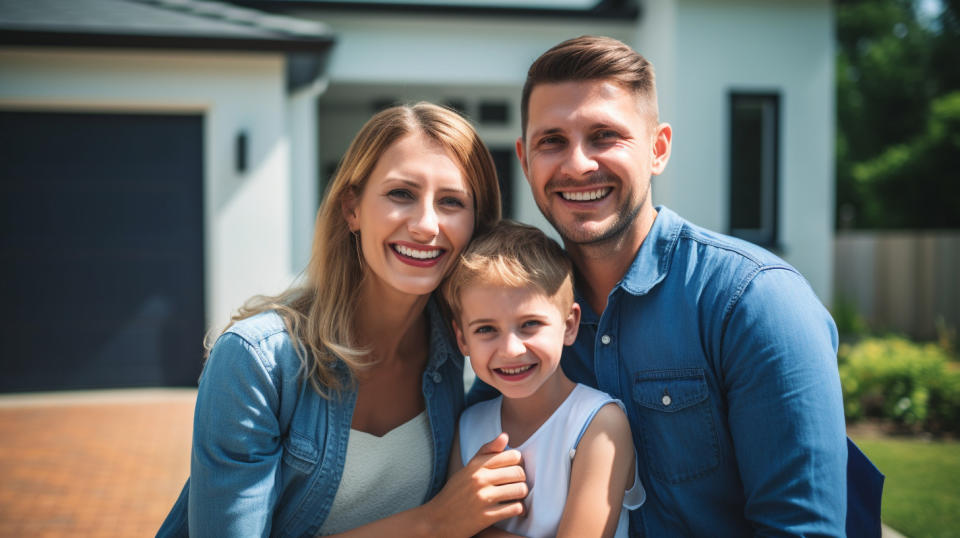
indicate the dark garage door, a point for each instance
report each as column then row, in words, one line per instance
column 101, row 250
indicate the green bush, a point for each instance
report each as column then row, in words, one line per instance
column 913, row 385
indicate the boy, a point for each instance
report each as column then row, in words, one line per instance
column 511, row 298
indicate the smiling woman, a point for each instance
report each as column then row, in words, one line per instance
column 305, row 396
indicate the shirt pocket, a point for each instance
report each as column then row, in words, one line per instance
column 300, row 453
column 676, row 423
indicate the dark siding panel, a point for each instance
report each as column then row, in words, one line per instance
column 101, row 250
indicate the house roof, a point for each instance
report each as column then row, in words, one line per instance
column 156, row 24
column 580, row 9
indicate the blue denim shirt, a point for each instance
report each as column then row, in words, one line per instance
column 726, row 361
column 268, row 451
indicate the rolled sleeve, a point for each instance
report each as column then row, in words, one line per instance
column 235, row 462
column 785, row 406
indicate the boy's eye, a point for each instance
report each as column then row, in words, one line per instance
column 605, row 136
column 532, row 323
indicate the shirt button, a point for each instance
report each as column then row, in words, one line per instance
column 437, row 377
column 666, row 399
column 605, row 339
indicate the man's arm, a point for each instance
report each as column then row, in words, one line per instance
column 785, row 408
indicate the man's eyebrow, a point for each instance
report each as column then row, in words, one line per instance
column 550, row 131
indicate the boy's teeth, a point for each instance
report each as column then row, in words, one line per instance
column 585, row 196
column 515, row 371
column 418, row 254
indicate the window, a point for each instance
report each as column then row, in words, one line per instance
column 754, row 166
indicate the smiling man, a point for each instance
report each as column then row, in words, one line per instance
column 723, row 355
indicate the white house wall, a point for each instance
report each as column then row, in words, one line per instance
column 754, row 45
column 435, row 58
column 247, row 217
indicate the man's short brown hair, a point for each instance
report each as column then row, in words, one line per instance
column 590, row 58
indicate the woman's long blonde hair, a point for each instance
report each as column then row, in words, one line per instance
column 319, row 314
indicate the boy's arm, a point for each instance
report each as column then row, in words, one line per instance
column 602, row 470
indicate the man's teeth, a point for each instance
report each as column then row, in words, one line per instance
column 515, row 371
column 418, row 254
column 585, row 196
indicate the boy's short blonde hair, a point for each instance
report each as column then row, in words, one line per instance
column 512, row 255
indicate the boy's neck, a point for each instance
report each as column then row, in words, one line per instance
column 522, row 417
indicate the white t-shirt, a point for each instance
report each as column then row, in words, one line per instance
column 547, row 458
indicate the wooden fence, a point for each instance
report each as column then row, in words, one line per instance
column 905, row 281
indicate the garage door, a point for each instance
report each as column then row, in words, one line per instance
column 101, row 250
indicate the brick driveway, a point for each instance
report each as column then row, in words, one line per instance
column 103, row 463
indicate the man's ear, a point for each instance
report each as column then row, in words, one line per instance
column 662, row 139
column 349, row 206
column 571, row 325
column 461, row 341
column 521, row 154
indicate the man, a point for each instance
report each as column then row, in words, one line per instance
column 723, row 355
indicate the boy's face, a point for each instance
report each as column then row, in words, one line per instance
column 514, row 336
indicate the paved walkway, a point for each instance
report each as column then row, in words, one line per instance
column 94, row 464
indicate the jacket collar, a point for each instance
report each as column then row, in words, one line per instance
column 442, row 345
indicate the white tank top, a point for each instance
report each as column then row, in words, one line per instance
column 547, row 458
column 382, row 475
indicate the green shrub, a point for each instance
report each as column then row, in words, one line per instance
column 907, row 383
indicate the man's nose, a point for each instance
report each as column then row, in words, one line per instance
column 579, row 161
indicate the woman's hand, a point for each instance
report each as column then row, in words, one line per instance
column 490, row 487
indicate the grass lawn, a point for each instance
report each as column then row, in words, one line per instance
column 921, row 494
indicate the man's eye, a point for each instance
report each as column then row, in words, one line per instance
column 550, row 141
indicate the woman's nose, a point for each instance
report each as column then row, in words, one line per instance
column 425, row 225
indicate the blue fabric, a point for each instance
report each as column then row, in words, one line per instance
column 268, row 451
column 864, row 489
column 726, row 361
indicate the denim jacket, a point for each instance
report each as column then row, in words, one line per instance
column 726, row 361
column 268, row 451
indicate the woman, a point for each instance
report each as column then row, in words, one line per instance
column 332, row 406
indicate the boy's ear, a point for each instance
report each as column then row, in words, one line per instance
column 571, row 325
column 461, row 341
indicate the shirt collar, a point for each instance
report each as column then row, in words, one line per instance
column 652, row 262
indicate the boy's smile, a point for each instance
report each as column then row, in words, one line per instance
column 514, row 336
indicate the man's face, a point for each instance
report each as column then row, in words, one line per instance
column 589, row 152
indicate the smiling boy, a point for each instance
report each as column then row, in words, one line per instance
column 512, row 301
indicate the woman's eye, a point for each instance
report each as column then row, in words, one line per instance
column 400, row 194
column 483, row 329
column 450, row 201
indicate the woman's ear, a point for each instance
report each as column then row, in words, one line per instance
column 350, row 207
column 571, row 325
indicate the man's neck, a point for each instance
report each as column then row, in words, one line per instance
column 601, row 266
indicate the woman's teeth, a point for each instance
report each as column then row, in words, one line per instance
column 418, row 254
column 586, row 196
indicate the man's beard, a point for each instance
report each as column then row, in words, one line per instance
column 574, row 234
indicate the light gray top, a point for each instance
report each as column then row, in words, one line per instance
column 382, row 475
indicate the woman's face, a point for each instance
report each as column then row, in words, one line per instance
column 415, row 215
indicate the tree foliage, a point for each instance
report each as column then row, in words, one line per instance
column 898, row 114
